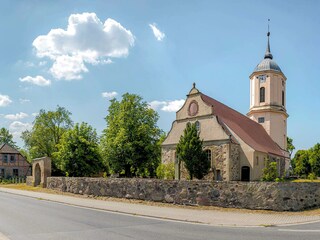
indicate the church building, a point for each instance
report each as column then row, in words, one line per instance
column 237, row 146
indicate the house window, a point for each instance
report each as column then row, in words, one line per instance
column 257, row 161
column 282, row 98
column 262, row 94
column 208, row 152
column 12, row 158
column 5, row 158
column 261, row 120
column 15, row 172
column 197, row 126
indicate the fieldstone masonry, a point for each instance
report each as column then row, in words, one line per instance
column 250, row 195
column 234, row 162
column 225, row 159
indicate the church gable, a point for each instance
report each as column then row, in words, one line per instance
column 194, row 106
column 209, row 129
column 196, row 110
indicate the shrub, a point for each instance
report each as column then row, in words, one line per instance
column 270, row 171
column 312, row 176
column 165, row 171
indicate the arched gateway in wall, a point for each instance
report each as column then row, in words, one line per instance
column 37, row 175
column 41, row 169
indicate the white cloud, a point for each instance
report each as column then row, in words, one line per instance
column 167, row 106
column 109, row 94
column 155, row 105
column 24, row 100
column 156, row 32
column 37, row 80
column 68, row 68
column 17, row 127
column 4, row 100
column 35, row 114
column 16, row 116
column 86, row 40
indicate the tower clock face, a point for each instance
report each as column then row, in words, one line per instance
column 262, row 78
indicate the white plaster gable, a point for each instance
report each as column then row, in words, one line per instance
column 203, row 108
column 210, row 130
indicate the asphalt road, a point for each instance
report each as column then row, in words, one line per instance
column 29, row 218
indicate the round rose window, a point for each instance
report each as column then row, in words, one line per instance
column 193, row 108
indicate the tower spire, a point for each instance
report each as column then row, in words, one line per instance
column 268, row 52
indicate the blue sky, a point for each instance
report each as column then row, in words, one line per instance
column 67, row 53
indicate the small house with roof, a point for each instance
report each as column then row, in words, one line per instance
column 12, row 163
column 237, row 145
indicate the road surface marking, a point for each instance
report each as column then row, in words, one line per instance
column 298, row 230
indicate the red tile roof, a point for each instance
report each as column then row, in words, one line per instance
column 251, row 132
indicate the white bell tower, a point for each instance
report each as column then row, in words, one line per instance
column 268, row 98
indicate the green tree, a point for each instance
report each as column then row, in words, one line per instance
column 6, row 137
column 26, row 155
column 301, row 164
column 47, row 130
column 290, row 146
column 78, row 152
column 130, row 143
column 314, row 159
column 190, row 151
column 269, row 173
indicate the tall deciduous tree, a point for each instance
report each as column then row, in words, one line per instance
column 301, row 164
column 47, row 130
column 190, row 151
column 129, row 143
column 315, row 159
column 290, row 146
column 78, row 152
column 6, row 137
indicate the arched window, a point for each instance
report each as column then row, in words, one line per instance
column 282, row 98
column 262, row 94
column 197, row 126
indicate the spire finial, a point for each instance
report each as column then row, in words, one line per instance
column 194, row 85
column 268, row 52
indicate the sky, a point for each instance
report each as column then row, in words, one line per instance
column 80, row 54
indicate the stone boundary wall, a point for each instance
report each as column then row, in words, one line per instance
column 251, row 195
column 29, row 180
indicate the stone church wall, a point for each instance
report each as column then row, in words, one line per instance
column 283, row 196
column 167, row 154
column 235, row 162
column 220, row 154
